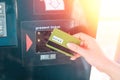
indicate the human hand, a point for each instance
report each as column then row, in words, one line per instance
column 89, row 49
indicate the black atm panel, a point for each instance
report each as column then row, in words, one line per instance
column 34, row 35
column 36, row 16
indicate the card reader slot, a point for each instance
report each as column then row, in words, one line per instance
column 60, row 47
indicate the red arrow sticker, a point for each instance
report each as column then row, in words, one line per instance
column 28, row 42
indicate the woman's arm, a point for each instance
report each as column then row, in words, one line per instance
column 94, row 55
column 113, row 70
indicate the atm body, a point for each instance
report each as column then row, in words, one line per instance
column 30, row 59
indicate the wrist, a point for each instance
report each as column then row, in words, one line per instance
column 112, row 69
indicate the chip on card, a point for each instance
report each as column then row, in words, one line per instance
column 58, row 41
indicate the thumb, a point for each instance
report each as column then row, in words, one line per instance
column 76, row 48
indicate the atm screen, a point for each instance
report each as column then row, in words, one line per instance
column 42, row 7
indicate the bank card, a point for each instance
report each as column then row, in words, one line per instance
column 58, row 41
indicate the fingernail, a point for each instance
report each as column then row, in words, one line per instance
column 83, row 44
column 72, row 58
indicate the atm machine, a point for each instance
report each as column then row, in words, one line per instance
column 31, row 22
